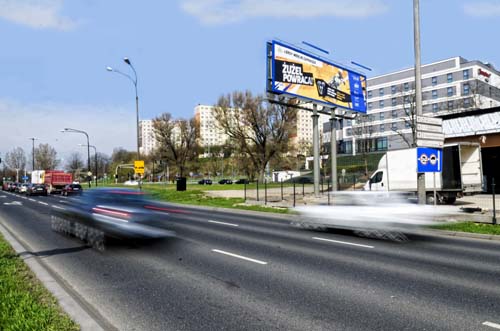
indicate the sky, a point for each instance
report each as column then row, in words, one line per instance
column 54, row 55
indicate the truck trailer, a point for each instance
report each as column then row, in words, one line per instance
column 461, row 173
column 54, row 180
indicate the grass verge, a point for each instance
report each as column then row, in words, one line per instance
column 24, row 303
column 470, row 227
column 198, row 198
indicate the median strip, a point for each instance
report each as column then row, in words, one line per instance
column 493, row 325
column 238, row 256
column 343, row 242
column 222, row 223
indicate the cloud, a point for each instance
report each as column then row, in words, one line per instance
column 38, row 14
column 482, row 9
column 108, row 127
column 216, row 12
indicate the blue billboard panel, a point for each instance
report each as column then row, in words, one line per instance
column 309, row 77
column 429, row 159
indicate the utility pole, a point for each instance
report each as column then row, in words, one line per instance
column 333, row 150
column 418, row 91
column 315, row 118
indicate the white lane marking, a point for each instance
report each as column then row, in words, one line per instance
column 57, row 207
column 43, row 203
column 13, row 203
column 32, row 200
column 223, row 223
column 3, row 196
column 342, row 242
column 493, row 325
column 238, row 256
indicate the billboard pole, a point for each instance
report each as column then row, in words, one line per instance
column 418, row 91
column 315, row 117
column 333, row 149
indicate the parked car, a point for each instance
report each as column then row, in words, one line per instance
column 205, row 182
column 242, row 181
column 72, row 189
column 225, row 181
column 37, row 189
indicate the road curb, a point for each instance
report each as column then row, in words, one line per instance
column 467, row 235
column 45, row 275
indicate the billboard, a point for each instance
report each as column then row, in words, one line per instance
column 297, row 73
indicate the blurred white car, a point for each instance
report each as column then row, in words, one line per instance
column 131, row 183
column 370, row 211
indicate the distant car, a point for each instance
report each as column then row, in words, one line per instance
column 72, row 189
column 22, row 188
column 242, row 181
column 37, row 189
column 205, row 182
column 131, row 183
column 225, row 181
column 13, row 187
column 5, row 186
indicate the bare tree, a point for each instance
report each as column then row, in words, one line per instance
column 16, row 159
column 75, row 163
column 410, row 119
column 46, row 157
column 177, row 140
column 259, row 131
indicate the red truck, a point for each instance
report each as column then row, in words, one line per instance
column 55, row 180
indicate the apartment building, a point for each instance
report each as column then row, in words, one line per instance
column 147, row 142
column 451, row 86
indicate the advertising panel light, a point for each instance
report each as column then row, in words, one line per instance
column 306, row 76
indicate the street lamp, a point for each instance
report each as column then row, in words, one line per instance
column 134, row 81
column 95, row 155
column 88, row 144
column 33, row 153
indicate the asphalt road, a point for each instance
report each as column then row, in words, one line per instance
column 227, row 271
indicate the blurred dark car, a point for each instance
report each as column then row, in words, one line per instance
column 37, row 189
column 13, row 187
column 71, row 189
column 242, row 181
column 205, row 182
column 112, row 212
column 225, row 181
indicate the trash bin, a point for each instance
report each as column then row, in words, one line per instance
column 181, row 184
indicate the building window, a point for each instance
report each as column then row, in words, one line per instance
column 406, row 86
column 466, row 74
column 381, row 116
column 393, row 89
column 394, row 126
column 407, row 99
column 450, row 104
column 394, row 101
column 449, row 78
column 381, row 103
column 382, row 144
column 434, row 94
column 394, row 113
column 369, row 94
column 434, row 81
column 382, row 127
column 466, row 89
column 370, row 105
column 466, row 102
column 381, row 91
column 435, row 107
column 449, row 91
column 407, row 124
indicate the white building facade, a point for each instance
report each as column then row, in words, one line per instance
column 454, row 85
column 147, row 137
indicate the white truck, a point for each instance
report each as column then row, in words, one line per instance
column 461, row 174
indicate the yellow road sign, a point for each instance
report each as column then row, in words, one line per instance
column 139, row 167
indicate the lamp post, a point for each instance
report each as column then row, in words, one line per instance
column 134, row 81
column 33, row 153
column 95, row 156
column 88, row 145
